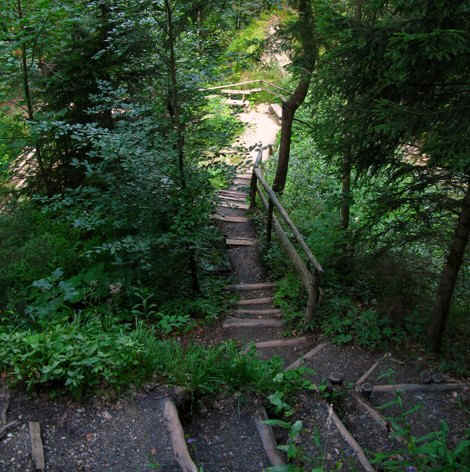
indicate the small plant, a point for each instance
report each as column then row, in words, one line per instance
column 428, row 453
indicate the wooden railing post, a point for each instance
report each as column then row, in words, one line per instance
column 254, row 178
column 269, row 223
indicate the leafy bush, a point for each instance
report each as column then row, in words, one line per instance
column 80, row 356
column 32, row 245
column 347, row 322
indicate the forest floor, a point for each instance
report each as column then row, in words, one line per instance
column 343, row 425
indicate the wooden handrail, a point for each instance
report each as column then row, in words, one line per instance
column 286, row 218
column 247, row 82
column 310, row 278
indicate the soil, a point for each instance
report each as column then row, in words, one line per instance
column 122, row 436
column 223, row 436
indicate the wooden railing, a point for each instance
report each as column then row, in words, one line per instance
column 268, row 87
column 309, row 271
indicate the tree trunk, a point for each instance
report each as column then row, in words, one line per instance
column 449, row 275
column 289, row 107
column 288, row 112
column 174, row 102
column 346, row 192
column 179, row 127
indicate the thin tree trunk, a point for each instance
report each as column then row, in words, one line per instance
column 449, row 275
column 29, row 103
column 175, row 111
column 346, row 192
column 289, row 107
column 288, row 113
column 180, row 133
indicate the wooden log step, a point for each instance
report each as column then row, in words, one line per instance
column 235, row 205
column 230, row 219
column 232, row 198
column 241, row 182
column 37, row 449
column 255, row 301
column 241, row 242
column 236, row 103
column 241, row 92
column 350, row 440
column 250, row 323
column 257, row 286
column 244, row 176
column 420, row 387
column 306, row 357
column 267, row 438
column 178, row 442
column 270, row 311
column 233, row 193
column 282, row 343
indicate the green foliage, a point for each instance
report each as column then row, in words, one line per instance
column 79, row 356
column 366, row 327
column 12, row 134
column 32, row 246
column 428, row 453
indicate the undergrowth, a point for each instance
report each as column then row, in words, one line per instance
column 84, row 355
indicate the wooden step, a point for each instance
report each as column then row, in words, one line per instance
column 233, row 193
column 250, row 323
column 241, row 242
column 243, row 176
column 255, row 301
column 282, row 343
column 270, row 311
column 230, row 219
column 232, row 198
column 241, row 92
column 237, row 103
column 257, row 286
column 234, row 205
column 310, row 354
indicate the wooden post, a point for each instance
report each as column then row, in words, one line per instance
column 254, row 178
column 269, row 224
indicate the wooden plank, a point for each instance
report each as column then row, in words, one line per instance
column 4, row 403
column 365, row 376
column 6, row 427
column 307, row 356
column 270, row 311
column 220, row 87
column 267, row 438
column 257, row 286
column 233, row 193
column 249, row 323
column 234, row 205
column 286, row 218
column 241, row 242
column 241, row 92
column 282, row 343
column 180, row 449
column 237, row 103
column 305, row 275
column 231, row 198
column 350, row 440
column 420, row 387
column 37, row 450
column 255, row 301
column 231, row 219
